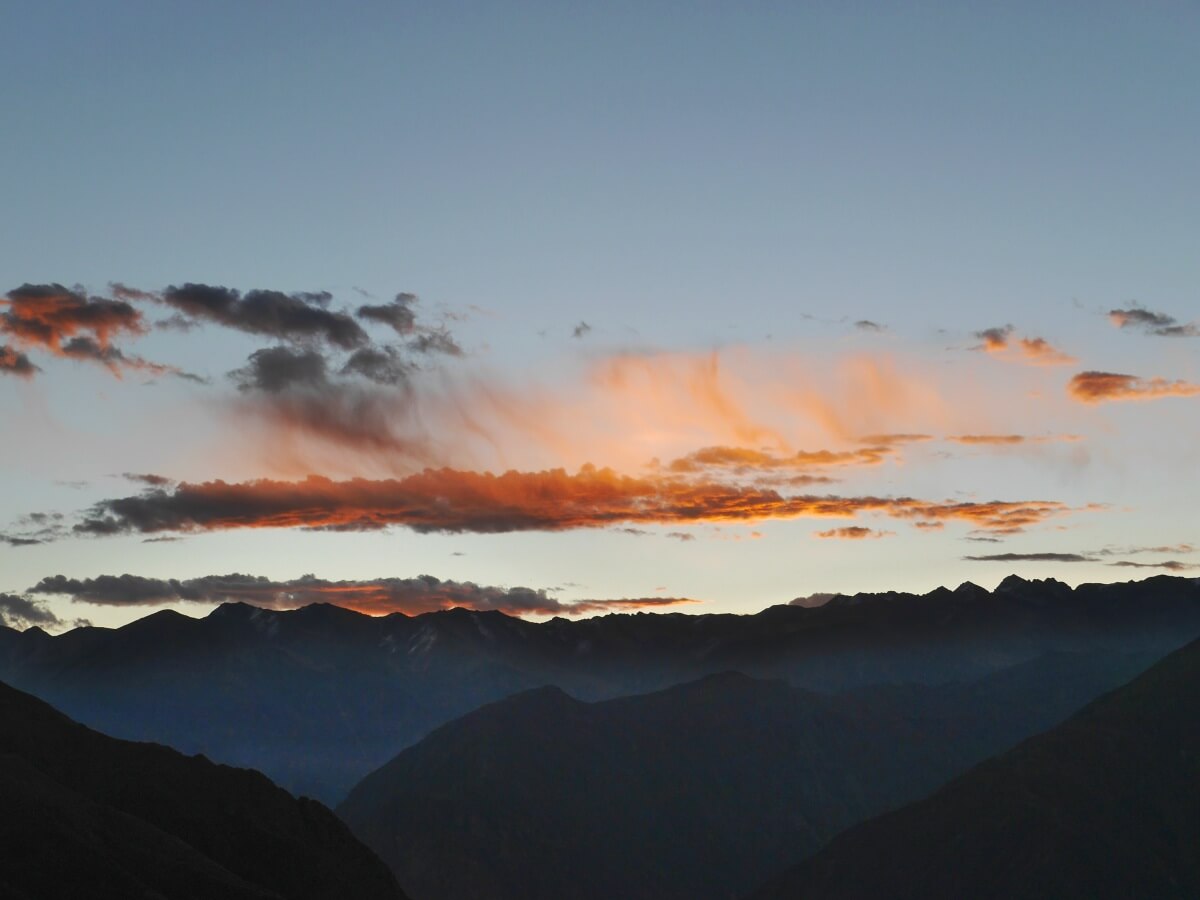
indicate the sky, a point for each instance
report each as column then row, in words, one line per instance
column 563, row 311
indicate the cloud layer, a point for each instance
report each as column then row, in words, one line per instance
column 450, row 500
column 380, row 596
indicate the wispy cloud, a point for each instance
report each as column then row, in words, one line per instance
column 744, row 459
column 1171, row 565
column 1101, row 387
column 1010, row 439
column 852, row 533
column 1149, row 322
column 271, row 313
column 1032, row 557
column 14, row 363
column 1001, row 342
column 21, row 613
column 397, row 315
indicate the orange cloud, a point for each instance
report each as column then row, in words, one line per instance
column 628, row 409
column 988, row 438
column 45, row 315
column 1033, row 351
column 449, row 500
column 888, row 440
column 71, row 325
column 1038, row 352
column 743, row 459
column 1009, row 439
column 14, row 363
column 853, row 533
column 1099, row 387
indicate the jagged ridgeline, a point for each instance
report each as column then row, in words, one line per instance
column 319, row 697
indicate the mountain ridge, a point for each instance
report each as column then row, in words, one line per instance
column 138, row 819
column 354, row 689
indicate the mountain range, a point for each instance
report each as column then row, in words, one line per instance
column 697, row 792
column 320, row 696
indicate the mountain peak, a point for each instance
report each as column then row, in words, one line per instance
column 970, row 590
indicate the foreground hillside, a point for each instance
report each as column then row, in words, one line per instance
column 85, row 815
column 1106, row 805
column 700, row 791
column 318, row 697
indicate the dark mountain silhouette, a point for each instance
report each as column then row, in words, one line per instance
column 320, row 696
column 699, row 791
column 85, row 815
column 1106, row 805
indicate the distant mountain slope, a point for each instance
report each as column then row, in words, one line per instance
column 1106, row 805
column 85, row 815
column 320, row 696
column 699, row 791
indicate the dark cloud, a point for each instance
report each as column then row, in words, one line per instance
column 868, row 325
column 14, row 363
column 21, row 612
column 382, row 366
column 37, row 528
column 1171, row 565
column 1161, row 548
column 450, row 500
column 580, row 330
column 681, row 535
column 177, row 322
column 70, row 324
column 1031, row 350
column 46, row 314
column 291, row 389
column 852, row 533
column 377, row 596
column 1032, row 557
column 994, row 339
column 87, row 348
column 277, row 369
column 152, row 480
column 437, row 340
column 1159, row 324
column 398, row 315
column 1100, row 387
column 289, row 317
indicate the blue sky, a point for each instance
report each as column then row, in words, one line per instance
column 685, row 180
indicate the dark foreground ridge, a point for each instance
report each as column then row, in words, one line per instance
column 698, row 792
column 85, row 815
column 1106, row 805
